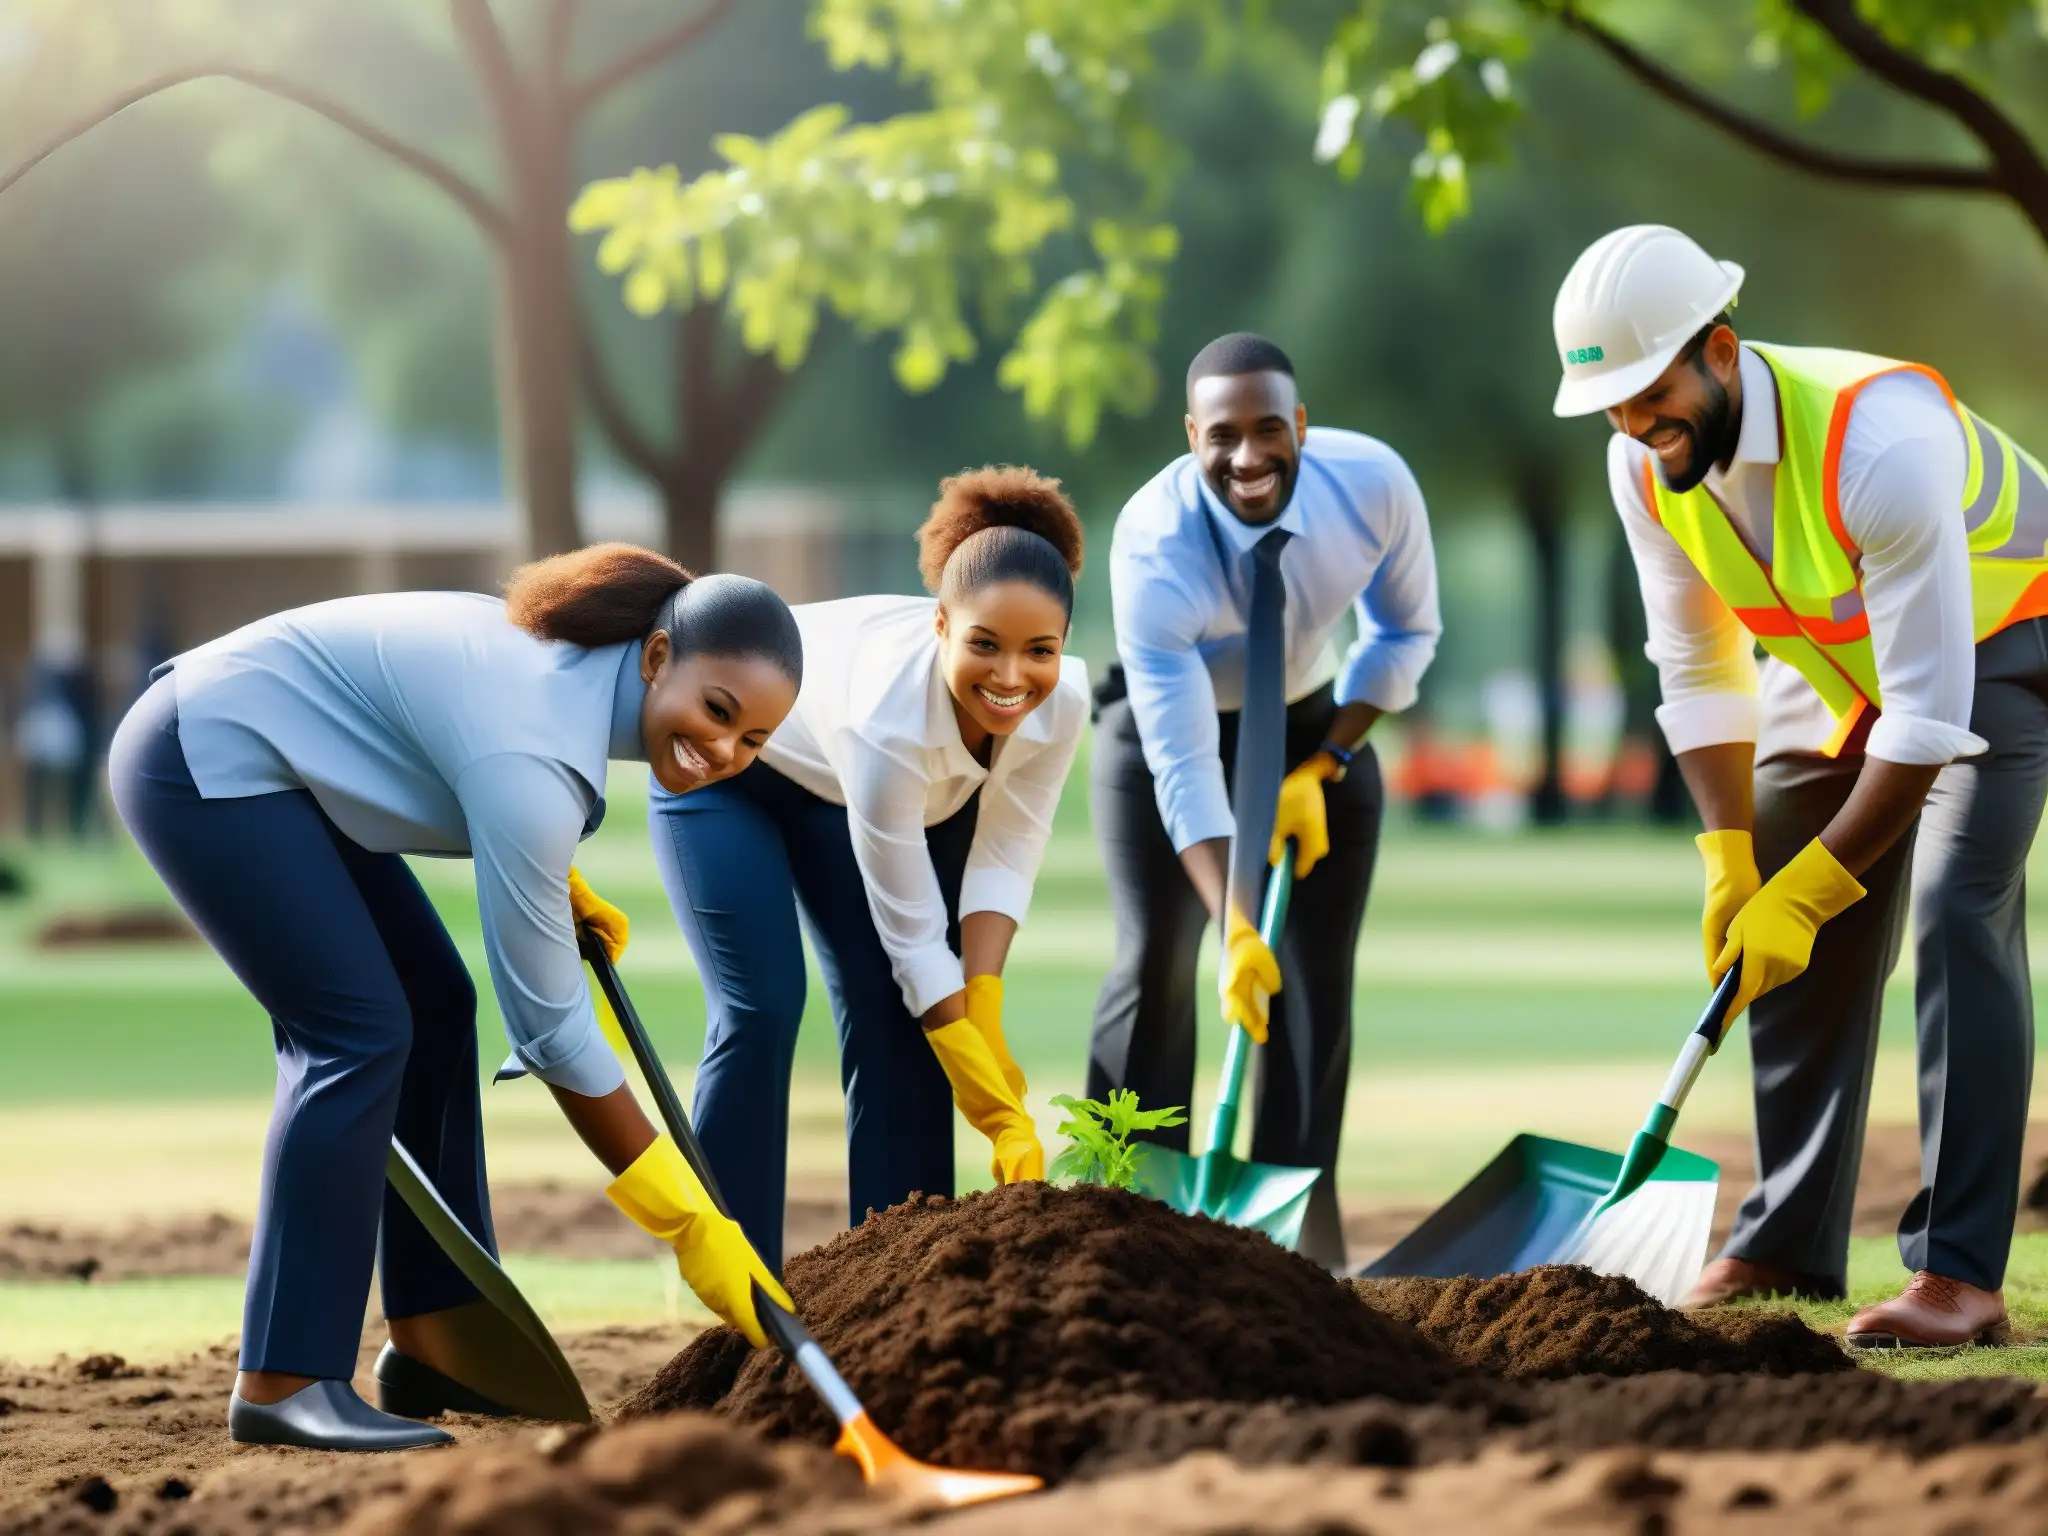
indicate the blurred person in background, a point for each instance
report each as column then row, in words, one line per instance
column 1230, row 573
column 901, row 813
column 274, row 777
column 51, row 739
column 1888, row 549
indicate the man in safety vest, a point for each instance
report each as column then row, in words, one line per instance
column 1888, row 550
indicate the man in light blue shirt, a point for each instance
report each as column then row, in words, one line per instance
column 1351, row 533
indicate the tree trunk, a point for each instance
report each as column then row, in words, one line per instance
column 1543, row 514
column 689, row 506
column 537, row 359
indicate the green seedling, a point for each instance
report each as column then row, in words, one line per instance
column 1100, row 1149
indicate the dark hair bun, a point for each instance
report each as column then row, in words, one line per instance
column 997, row 496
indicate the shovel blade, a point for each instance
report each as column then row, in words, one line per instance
column 505, row 1351
column 1261, row 1196
column 1531, row 1204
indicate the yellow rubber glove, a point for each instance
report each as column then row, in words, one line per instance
column 1772, row 936
column 1249, row 978
column 985, row 1012
column 1301, row 815
column 592, row 911
column 664, row 1197
column 1731, row 880
column 985, row 1097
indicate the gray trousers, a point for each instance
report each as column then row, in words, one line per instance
column 1814, row 1040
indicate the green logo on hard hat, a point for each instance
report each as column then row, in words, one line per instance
column 1584, row 355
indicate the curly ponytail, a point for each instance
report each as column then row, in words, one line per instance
column 1001, row 523
column 606, row 594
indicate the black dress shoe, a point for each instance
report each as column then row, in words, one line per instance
column 327, row 1416
column 418, row 1391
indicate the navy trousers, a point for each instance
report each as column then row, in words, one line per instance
column 744, row 861
column 374, row 1018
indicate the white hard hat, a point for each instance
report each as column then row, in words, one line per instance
column 1628, row 305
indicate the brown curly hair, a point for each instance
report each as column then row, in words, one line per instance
column 996, row 496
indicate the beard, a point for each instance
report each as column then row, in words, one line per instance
column 1288, row 472
column 1711, row 434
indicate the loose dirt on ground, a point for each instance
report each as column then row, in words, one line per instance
column 1560, row 1320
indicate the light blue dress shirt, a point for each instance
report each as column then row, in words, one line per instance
column 426, row 723
column 1179, row 578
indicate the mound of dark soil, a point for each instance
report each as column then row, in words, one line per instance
column 986, row 1332
column 1563, row 1320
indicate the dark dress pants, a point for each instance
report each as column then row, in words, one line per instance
column 745, row 861
column 1145, row 1019
column 373, row 1016
column 1814, row 1040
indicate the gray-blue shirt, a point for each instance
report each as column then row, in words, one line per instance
column 425, row 722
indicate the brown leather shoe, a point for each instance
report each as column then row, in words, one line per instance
column 1931, row 1312
column 1726, row 1280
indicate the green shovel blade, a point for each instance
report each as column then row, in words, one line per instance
column 1261, row 1196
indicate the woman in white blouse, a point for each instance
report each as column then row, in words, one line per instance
column 902, row 810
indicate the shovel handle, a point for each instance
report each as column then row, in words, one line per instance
column 1713, row 1024
column 777, row 1321
column 1237, row 1048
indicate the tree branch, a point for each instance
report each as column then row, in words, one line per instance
column 561, row 36
column 2020, row 169
column 609, row 77
column 466, row 194
column 481, row 36
column 630, row 442
column 1901, row 175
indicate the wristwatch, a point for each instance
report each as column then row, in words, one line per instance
column 1342, row 755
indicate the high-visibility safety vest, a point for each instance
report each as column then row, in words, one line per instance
column 1804, row 603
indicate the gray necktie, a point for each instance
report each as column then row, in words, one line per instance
column 1261, row 727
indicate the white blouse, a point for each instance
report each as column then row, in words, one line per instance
column 874, row 730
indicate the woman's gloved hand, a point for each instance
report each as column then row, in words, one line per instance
column 985, row 1012
column 1248, row 978
column 982, row 1090
column 1302, row 815
column 592, row 911
column 664, row 1197
column 1732, row 879
column 1772, row 936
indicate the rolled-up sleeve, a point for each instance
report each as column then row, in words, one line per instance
column 1705, row 659
column 1158, row 627
column 1015, row 822
column 525, row 816
column 885, row 784
column 1398, row 619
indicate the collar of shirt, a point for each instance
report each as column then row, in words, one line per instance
column 628, row 694
column 1240, row 535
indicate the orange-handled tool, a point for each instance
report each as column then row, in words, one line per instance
column 883, row 1463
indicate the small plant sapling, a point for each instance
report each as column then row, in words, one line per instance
column 1100, row 1149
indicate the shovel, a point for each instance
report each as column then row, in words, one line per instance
column 1646, row 1215
column 882, row 1462
column 1216, row 1183
column 497, row 1346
